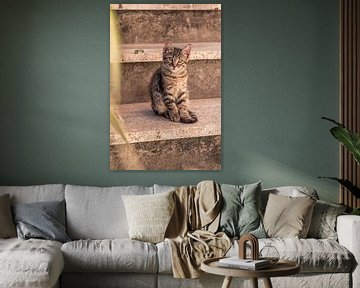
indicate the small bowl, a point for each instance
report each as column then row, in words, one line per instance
column 270, row 253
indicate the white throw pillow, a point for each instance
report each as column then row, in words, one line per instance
column 149, row 215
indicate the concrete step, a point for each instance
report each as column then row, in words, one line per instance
column 179, row 7
column 132, row 53
column 159, row 144
column 199, row 153
column 141, row 124
column 139, row 62
column 156, row 23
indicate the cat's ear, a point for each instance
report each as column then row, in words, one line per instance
column 186, row 50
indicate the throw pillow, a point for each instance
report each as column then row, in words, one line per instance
column 7, row 226
column 240, row 210
column 149, row 215
column 323, row 222
column 291, row 191
column 44, row 220
column 288, row 217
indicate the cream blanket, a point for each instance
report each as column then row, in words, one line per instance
column 191, row 231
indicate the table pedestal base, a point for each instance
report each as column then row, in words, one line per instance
column 227, row 282
column 267, row 282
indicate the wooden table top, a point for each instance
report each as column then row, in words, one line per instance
column 281, row 268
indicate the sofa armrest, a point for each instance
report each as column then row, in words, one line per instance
column 348, row 230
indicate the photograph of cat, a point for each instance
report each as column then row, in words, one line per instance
column 169, row 85
column 165, row 87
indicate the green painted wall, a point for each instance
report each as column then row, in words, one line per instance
column 280, row 75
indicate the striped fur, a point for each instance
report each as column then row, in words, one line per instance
column 168, row 86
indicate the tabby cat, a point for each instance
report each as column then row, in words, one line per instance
column 168, row 86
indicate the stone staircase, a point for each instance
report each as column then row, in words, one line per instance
column 159, row 143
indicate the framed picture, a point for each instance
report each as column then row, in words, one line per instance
column 165, row 86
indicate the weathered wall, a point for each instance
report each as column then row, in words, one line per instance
column 203, row 153
column 152, row 28
column 203, row 76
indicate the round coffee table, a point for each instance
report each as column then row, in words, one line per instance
column 281, row 268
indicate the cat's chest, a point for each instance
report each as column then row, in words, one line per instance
column 176, row 85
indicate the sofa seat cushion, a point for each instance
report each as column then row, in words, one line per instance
column 115, row 255
column 164, row 257
column 313, row 255
column 30, row 263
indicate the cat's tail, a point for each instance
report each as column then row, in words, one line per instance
column 156, row 93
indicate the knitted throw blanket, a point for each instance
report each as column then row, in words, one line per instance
column 191, row 232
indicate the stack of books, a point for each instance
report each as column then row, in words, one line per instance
column 248, row 264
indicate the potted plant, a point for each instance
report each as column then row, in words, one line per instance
column 351, row 141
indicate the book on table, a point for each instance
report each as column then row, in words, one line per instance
column 236, row 262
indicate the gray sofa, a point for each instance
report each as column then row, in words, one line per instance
column 101, row 254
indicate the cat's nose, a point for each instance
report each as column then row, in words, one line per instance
column 174, row 63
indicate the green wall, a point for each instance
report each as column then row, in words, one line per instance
column 280, row 75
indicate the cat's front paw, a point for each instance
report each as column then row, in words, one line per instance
column 193, row 115
column 175, row 118
column 189, row 120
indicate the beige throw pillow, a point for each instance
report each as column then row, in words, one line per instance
column 7, row 226
column 149, row 215
column 288, row 217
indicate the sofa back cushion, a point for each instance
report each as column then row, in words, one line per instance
column 36, row 193
column 98, row 213
column 7, row 226
column 163, row 188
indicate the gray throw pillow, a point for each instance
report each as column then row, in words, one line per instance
column 240, row 213
column 44, row 220
column 7, row 226
column 323, row 222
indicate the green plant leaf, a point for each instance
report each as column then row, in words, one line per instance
column 117, row 124
column 355, row 211
column 348, row 138
column 333, row 121
column 347, row 184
